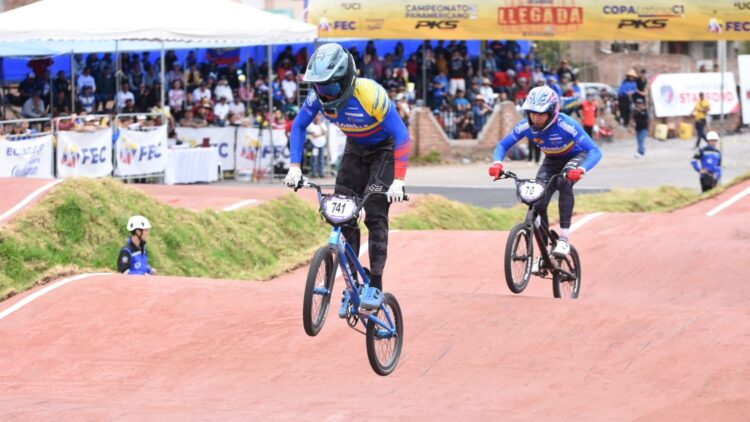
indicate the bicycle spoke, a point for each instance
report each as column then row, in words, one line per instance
column 384, row 346
column 320, row 283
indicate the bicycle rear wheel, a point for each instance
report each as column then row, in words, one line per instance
column 383, row 351
column 318, row 290
column 562, row 285
column 518, row 256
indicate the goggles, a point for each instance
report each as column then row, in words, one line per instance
column 330, row 90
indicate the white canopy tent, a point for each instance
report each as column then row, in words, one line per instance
column 219, row 21
column 76, row 26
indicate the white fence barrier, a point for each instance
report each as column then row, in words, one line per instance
column 87, row 154
column 32, row 157
column 140, row 153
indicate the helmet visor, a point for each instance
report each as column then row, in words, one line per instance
column 328, row 91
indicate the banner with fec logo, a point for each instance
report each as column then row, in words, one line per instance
column 532, row 19
column 27, row 158
column 744, row 64
column 141, row 152
column 254, row 150
column 675, row 94
column 220, row 137
column 87, row 154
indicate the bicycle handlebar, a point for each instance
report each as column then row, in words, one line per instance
column 510, row 175
column 304, row 183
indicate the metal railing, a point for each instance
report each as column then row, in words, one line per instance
column 38, row 124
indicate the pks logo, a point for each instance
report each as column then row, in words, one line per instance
column 538, row 141
column 714, row 26
column 436, row 24
column 667, row 93
column 642, row 23
column 70, row 156
column 128, row 152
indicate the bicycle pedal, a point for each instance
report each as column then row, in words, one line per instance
column 371, row 299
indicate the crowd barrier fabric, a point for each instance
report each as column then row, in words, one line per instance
column 141, row 152
column 87, row 154
column 254, row 151
column 222, row 138
column 27, row 158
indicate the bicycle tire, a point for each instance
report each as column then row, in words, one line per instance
column 385, row 368
column 559, row 286
column 313, row 321
column 520, row 234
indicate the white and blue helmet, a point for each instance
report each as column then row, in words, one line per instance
column 332, row 72
column 542, row 99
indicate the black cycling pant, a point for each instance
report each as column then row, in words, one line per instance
column 364, row 170
column 708, row 182
column 550, row 167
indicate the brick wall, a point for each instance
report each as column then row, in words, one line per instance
column 428, row 136
column 611, row 68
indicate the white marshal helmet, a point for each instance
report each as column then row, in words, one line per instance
column 138, row 222
column 712, row 136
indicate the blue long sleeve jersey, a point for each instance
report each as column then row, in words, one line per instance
column 708, row 158
column 565, row 138
column 369, row 117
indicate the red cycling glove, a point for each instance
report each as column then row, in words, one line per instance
column 496, row 169
column 575, row 174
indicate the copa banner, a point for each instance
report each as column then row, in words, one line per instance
column 87, row 154
column 27, row 158
column 744, row 64
column 254, row 149
column 675, row 94
column 557, row 20
column 141, row 152
column 222, row 138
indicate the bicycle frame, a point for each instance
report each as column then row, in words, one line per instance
column 344, row 255
column 539, row 227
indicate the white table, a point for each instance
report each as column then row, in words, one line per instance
column 192, row 165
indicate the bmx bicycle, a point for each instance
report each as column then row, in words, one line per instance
column 519, row 249
column 379, row 312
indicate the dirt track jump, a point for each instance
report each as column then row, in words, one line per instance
column 660, row 332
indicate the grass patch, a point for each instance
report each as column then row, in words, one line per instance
column 80, row 226
column 661, row 199
column 434, row 212
column 432, row 157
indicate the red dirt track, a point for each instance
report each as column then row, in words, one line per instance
column 15, row 190
column 660, row 332
column 200, row 197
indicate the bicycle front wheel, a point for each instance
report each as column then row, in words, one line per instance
column 318, row 290
column 563, row 285
column 518, row 257
column 383, row 349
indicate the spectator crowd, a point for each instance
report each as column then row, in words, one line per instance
column 462, row 89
